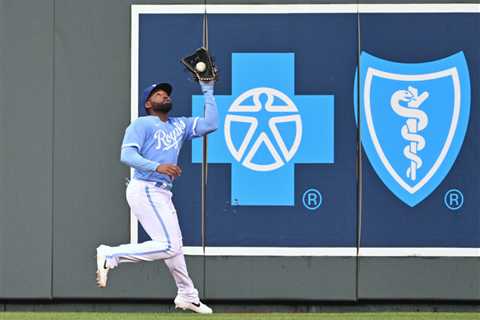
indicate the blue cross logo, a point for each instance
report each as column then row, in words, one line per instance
column 265, row 129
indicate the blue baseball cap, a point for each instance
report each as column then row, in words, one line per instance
column 154, row 87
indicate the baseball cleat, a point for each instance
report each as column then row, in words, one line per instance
column 199, row 307
column 102, row 269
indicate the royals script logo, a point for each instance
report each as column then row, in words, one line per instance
column 169, row 139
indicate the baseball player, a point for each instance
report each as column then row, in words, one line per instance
column 151, row 146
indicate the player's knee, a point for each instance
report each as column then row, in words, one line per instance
column 175, row 248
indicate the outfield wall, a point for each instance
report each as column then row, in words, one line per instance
column 65, row 97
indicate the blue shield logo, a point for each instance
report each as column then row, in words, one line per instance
column 413, row 120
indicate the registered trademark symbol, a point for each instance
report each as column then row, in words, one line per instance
column 312, row 199
column 453, row 199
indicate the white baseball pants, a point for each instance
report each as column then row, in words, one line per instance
column 155, row 211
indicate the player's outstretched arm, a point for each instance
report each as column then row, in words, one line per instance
column 131, row 157
column 209, row 122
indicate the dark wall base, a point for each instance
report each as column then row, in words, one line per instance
column 240, row 306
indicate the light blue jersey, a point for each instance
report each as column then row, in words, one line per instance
column 158, row 141
column 149, row 142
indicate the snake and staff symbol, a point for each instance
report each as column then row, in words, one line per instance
column 417, row 121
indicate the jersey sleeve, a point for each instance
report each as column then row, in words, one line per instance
column 134, row 135
column 190, row 127
column 209, row 122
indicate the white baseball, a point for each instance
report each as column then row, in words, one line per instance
column 200, row 66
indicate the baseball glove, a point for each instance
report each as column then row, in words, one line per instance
column 200, row 63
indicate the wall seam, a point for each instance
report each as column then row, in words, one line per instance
column 53, row 151
column 359, row 159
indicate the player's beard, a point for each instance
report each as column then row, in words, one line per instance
column 162, row 107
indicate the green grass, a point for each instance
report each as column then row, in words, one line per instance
column 237, row 316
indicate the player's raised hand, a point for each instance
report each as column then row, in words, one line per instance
column 169, row 169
